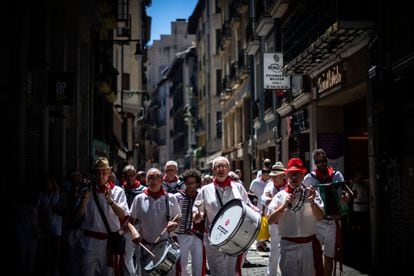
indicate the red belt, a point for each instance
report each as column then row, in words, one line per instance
column 299, row 239
column 96, row 235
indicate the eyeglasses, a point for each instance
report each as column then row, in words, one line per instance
column 220, row 166
column 154, row 177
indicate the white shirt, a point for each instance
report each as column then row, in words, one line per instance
column 301, row 223
column 151, row 215
column 257, row 186
column 93, row 220
column 210, row 205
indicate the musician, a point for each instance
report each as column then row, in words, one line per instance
column 211, row 198
column 95, row 259
column 153, row 211
column 132, row 188
column 190, row 235
column 296, row 210
column 171, row 182
column 329, row 229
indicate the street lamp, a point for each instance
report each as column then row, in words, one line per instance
column 138, row 51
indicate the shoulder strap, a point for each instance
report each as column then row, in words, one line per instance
column 313, row 175
column 167, row 206
column 105, row 221
column 218, row 197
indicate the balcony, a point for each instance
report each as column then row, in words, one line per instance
column 226, row 86
column 264, row 19
column 244, row 68
column 253, row 41
column 234, row 75
column 317, row 33
column 225, row 35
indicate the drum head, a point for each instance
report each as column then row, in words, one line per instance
column 226, row 222
column 160, row 250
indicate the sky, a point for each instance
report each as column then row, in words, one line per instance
column 163, row 12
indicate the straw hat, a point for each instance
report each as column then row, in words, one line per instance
column 102, row 164
column 277, row 169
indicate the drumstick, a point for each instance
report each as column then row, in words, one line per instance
column 165, row 229
column 146, row 249
column 349, row 190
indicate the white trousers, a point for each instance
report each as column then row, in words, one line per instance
column 274, row 250
column 93, row 257
column 296, row 259
column 191, row 245
column 219, row 263
column 132, row 264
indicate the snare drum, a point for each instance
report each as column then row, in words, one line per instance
column 167, row 253
column 234, row 228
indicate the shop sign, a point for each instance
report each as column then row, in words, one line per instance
column 299, row 121
column 60, row 88
column 273, row 76
column 331, row 78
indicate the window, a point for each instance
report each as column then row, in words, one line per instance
column 218, row 41
column 125, row 81
column 122, row 10
column 219, row 131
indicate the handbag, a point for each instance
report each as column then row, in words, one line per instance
column 116, row 241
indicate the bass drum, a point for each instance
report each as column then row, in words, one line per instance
column 234, row 228
column 167, row 253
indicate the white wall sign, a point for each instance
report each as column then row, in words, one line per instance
column 273, row 77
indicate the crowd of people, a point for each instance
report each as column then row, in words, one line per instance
column 156, row 221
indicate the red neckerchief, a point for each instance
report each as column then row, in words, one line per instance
column 325, row 177
column 225, row 183
column 289, row 189
column 103, row 188
column 164, row 178
column 155, row 195
column 134, row 186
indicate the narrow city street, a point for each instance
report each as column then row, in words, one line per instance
column 259, row 262
column 106, row 97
